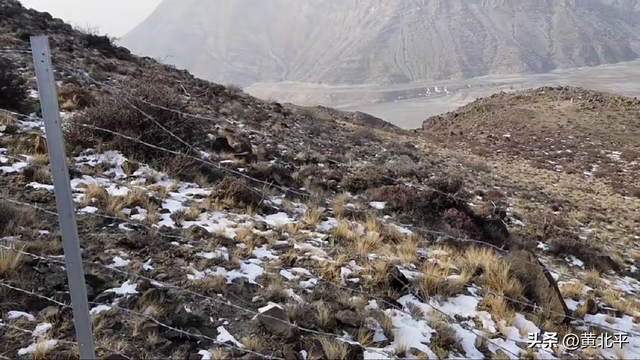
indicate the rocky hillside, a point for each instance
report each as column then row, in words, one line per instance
column 565, row 129
column 214, row 225
column 374, row 41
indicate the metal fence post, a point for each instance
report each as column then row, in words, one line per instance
column 64, row 199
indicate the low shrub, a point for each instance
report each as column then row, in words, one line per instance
column 424, row 208
column 133, row 117
column 237, row 192
column 368, row 177
column 462, row 222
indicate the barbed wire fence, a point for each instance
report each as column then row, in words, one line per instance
column 84, row 74
column 224, row 169
column 442, row 235
column 220, row 167
column 57, row 260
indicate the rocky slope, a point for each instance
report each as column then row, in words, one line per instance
column 374, row 41
column 215, row 225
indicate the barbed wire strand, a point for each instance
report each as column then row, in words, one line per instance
column 96, row 82
column 132, row 312
column 91, row 79
column 442, row 235
column 439, row 233
column 67, row 342
column 286, row 189
column 120, row 219
column 155, row 230
column 320, row 333
column 177, row 237
column 191, row 240
column 430, row 231
column 88, row 77
column 227, row 303
column 180, row 289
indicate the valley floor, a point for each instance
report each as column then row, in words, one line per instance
column 410, row 113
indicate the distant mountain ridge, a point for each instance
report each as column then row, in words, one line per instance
column 385, row 41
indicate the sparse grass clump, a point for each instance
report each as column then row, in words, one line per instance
column 367, row 244
column 10, row 261
column 343, row 232
column 275, row 291
column 593, row 278
column 334, row 349
column 437, row 279
column 462, row 222
column 236, row 193
column 498, row 307
column 74, row 97
column 313, row 216
column 445, row 341
column 14, row 219
column 572, row 290
column 9, row 123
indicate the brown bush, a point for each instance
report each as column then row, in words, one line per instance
column 275, row 174
column 422, row 207
column 460, row 221
column 114, row 113
column 447, row 185
column 593, row 258
column 238, row 191
column 368, row 177
column 73, row 97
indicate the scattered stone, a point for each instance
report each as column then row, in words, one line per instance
column 106, row 297
column 197, row 232
column 62, row 296
column 188, row 334
column 274, row 319
column 144, row 285
column 349, row 317
column 314, row 350
column 260, row 226
column 397, row 280
column 356, row 352
column 418, row 353
column 49, row 312
column 290, row 354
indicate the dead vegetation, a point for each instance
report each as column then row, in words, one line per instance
column 129, row 114
column 323, row 256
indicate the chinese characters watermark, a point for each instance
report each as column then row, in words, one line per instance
column 571, row 341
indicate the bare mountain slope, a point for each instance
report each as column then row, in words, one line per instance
column 563, row 129
column 375, row 41
column 214, row 225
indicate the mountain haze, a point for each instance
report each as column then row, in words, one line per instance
column 385, row 41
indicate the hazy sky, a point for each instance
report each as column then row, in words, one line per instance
column 113, row 17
